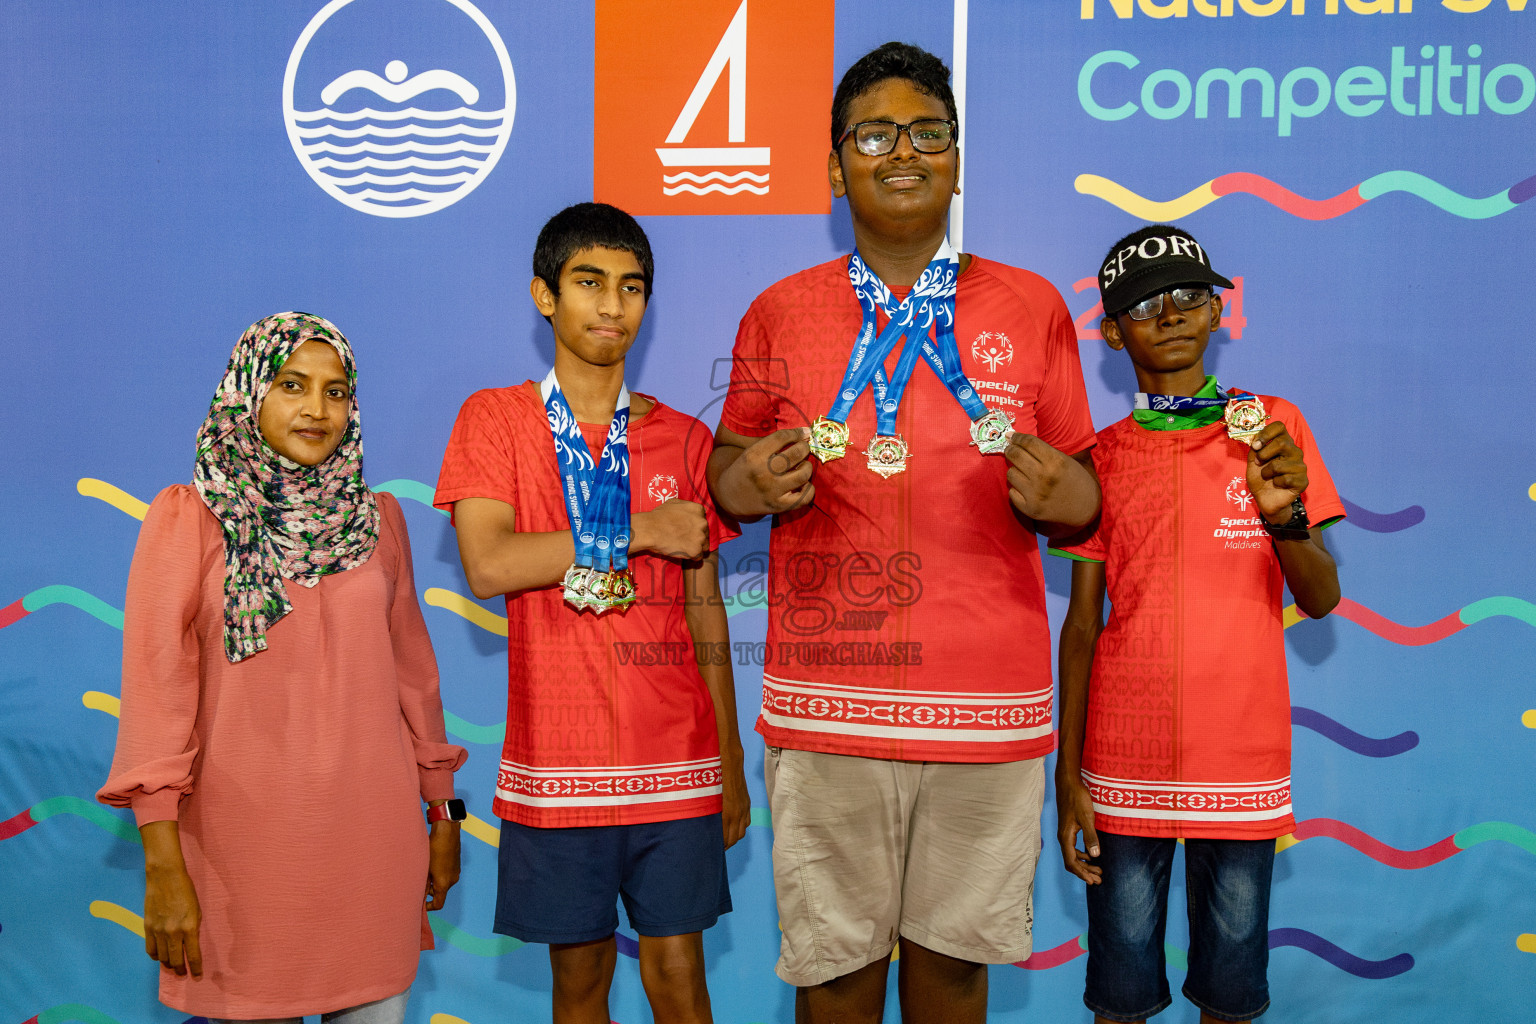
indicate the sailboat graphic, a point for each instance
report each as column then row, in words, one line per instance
column 399, row 144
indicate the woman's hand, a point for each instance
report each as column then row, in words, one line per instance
column 171, row 912
column 442, row 862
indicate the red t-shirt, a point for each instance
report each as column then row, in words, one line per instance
column 1189, row 715
column 608, row 719
column 906, row 616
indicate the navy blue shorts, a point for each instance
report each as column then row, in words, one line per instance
column 561, row 885
column 1228, row 884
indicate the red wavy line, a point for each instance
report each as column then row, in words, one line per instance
column 16, row 825
column 11, row 612
column 1045, row 959
column 1408, row 636
column 1375, row 848
column 1285, row 199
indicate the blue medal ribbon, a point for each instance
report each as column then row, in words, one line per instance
column 931, row 300
column 596, row 496
column 1184, row 403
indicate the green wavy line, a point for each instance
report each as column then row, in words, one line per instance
column 736, row 605
column 1177, row 958
column 412, row 489
column 1512, row 607
column 1488, row 831
column 1432, row 191
column 469, row 732
column 762, row 816
column 42, row 597
column 499, row 945
column 91, row 812
column 74, row 1011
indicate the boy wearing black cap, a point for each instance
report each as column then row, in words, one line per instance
column 1175, row 716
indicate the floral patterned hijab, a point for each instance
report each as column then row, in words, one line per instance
column 280, row 520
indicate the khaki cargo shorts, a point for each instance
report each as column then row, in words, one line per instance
column 865, row 850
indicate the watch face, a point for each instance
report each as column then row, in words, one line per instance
column 456, row 811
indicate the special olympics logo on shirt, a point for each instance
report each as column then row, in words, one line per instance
column 663, row 487
column 400, row 144
column 1238, row 493
column 992, row 348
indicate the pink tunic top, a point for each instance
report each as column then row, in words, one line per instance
column 297, row 775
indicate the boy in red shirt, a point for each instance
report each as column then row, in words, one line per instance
column 1175, row 717
column 586, row 506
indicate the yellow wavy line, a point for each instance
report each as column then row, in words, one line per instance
column 114, row 496
column 1290, row 616
column 447, row 1018
column 460, row 605
column 482, row 830
column 1529, row 719
column 1147, row 209
column 1526, row 943
column 98, row 701
column 1286, row 841
column 118, row 915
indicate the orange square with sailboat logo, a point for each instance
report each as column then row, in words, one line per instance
column 713, row 106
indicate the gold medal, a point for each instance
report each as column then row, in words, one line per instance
column 887, row 455
column 1245, row 418
column 991, row 432
column 621, row 589
column 829, row 439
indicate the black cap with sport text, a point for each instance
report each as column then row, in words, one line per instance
column 1151, row 261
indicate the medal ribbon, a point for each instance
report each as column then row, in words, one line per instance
column 596, row 497
column 1182, row 403
column 931, row 298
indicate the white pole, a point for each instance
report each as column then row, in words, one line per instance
column 957, row 207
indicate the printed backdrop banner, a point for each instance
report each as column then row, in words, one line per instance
column 1360, row 169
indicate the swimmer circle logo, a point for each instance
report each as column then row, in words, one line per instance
column 400, row 144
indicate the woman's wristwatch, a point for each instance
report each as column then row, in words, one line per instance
column 448, row 810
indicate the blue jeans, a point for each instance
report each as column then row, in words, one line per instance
column 1228, row 884
column 382, row 1011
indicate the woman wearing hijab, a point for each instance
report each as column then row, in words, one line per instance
column 281, row 722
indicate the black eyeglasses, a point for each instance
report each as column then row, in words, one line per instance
column 877, row 138
column 1186, row 298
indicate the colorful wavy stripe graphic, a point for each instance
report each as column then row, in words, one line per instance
column 474, row 945
column 1419, row 636
column 112, row 495
column 469, row 732
column 628, row 945
column 103, row 702
column 42, row 597
column 92, row 812
column 1382, row 522
column 66, row 1012
column 1178, row 959
column 1373, row 970
column 413, row 490
column 121, row 916
column 1045, row 959
column 1284, row 199
column 1351, row 740
column 464, row 608
column 1411, row 860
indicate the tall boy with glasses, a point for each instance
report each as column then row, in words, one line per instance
column 904, row 742
column 1175, row 717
